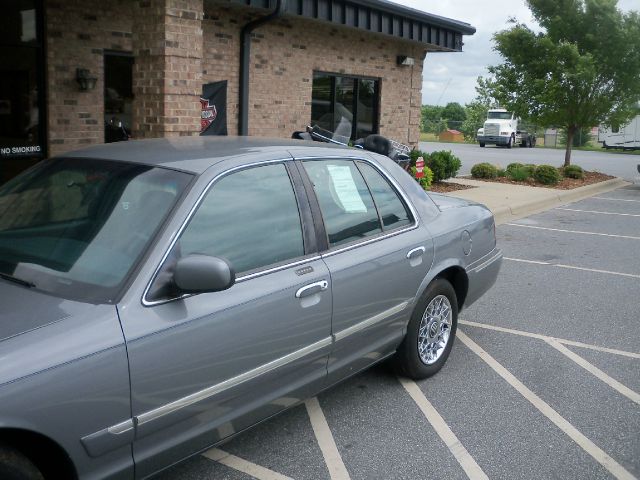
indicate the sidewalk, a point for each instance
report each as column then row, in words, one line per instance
column 510, row 202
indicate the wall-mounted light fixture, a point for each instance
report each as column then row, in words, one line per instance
column 85, row 80
column 405, row 61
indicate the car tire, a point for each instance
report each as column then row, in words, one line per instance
column 510, row 144
column 15, row 466
column 435, row 317
column 481, row 144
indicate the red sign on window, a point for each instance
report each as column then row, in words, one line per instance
column 420, row 167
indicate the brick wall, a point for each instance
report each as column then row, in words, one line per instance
column 77, row 33
column 173, row 59
column 167, row 75
column 284, row 55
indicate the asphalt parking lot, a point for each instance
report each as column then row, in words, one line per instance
column 542, row 382
column 618, row 164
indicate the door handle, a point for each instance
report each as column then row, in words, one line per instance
column 416, row 252
column 312, row 288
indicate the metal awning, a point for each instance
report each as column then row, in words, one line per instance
column 378, row 16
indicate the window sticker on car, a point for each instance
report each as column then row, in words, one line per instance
column 346, row 189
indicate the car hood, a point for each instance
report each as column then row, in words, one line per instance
column 24, row 309
column 444, row 202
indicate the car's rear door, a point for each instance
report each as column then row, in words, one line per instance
column 206, row 366
column 377, row 256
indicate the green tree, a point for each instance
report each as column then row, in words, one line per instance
column 581, row 71
column 454, row 113
column 431, row 115
column 581, row 137
column 476, row 110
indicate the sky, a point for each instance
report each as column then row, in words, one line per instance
column 451, row 77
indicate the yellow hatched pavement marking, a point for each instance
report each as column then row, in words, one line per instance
column 466, row 461
column 539, row 336
column 242, row 465
column 327, row 444
column 581, row 440
column 595, row 371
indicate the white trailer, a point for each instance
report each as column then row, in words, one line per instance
column 626, row 137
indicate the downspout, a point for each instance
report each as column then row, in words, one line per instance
column 245, row 58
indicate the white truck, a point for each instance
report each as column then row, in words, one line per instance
column 626, row 137
column 501, row 128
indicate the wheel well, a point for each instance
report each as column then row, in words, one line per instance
column 458, row 279
column 50, row 458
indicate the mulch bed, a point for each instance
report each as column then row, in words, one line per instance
column 563, row 184
column 446, row 187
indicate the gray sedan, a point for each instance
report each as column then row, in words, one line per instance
column 158, row 297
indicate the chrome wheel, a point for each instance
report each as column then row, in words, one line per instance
column 434, row 330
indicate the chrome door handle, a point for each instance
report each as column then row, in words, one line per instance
column 416, row 252
column 312, row 288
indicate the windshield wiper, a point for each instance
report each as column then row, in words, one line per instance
column 20, row 281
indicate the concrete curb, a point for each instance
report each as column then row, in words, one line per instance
column 544, row 200
column 505, row 214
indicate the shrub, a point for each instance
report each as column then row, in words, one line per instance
column 414, row 154
column 501, row 172
column 573, row 171
column 443, row 164
column 519, row 174
column 484, row 170
column 547, row 174
column 531, row 167
column 426, row 181
column 512, row 166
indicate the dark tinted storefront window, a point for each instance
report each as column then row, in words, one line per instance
column 345, row 105
column 22, row 104
column 118, row 96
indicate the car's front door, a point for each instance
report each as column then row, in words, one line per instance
column 206, row 366
column 377, row 256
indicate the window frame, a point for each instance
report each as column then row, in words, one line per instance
column 375, row 127
column 308, row 233
column 323, row 240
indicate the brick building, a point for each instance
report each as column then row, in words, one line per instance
column 76, row 72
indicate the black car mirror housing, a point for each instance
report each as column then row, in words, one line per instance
column 203, row 273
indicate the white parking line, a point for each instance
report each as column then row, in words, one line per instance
column 631, row 237
column 616, row 199
column 466, row 461
column 595, row 371
column 242, row 465
column 572, row 267
column 337, row 470
column 587, row 445
column 597, row 211
column 539, row 336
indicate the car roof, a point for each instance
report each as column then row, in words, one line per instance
column 196, row 154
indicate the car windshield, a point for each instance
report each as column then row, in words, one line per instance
column 499, row 115
column 76, row 228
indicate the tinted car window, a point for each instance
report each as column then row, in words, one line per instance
column 250, row 218
column 76, row 227
column 392, row 209
column 347, row 207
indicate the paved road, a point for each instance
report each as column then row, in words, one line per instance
column 542, row 381
column 616, row 164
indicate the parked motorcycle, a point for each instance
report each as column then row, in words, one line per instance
column 396, row 151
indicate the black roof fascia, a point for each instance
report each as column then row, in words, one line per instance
column 379, row 16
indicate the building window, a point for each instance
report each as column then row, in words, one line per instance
column 345, row 105
column 22, row 105
column 118, row 95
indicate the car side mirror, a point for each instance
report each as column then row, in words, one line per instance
column 202, row 274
